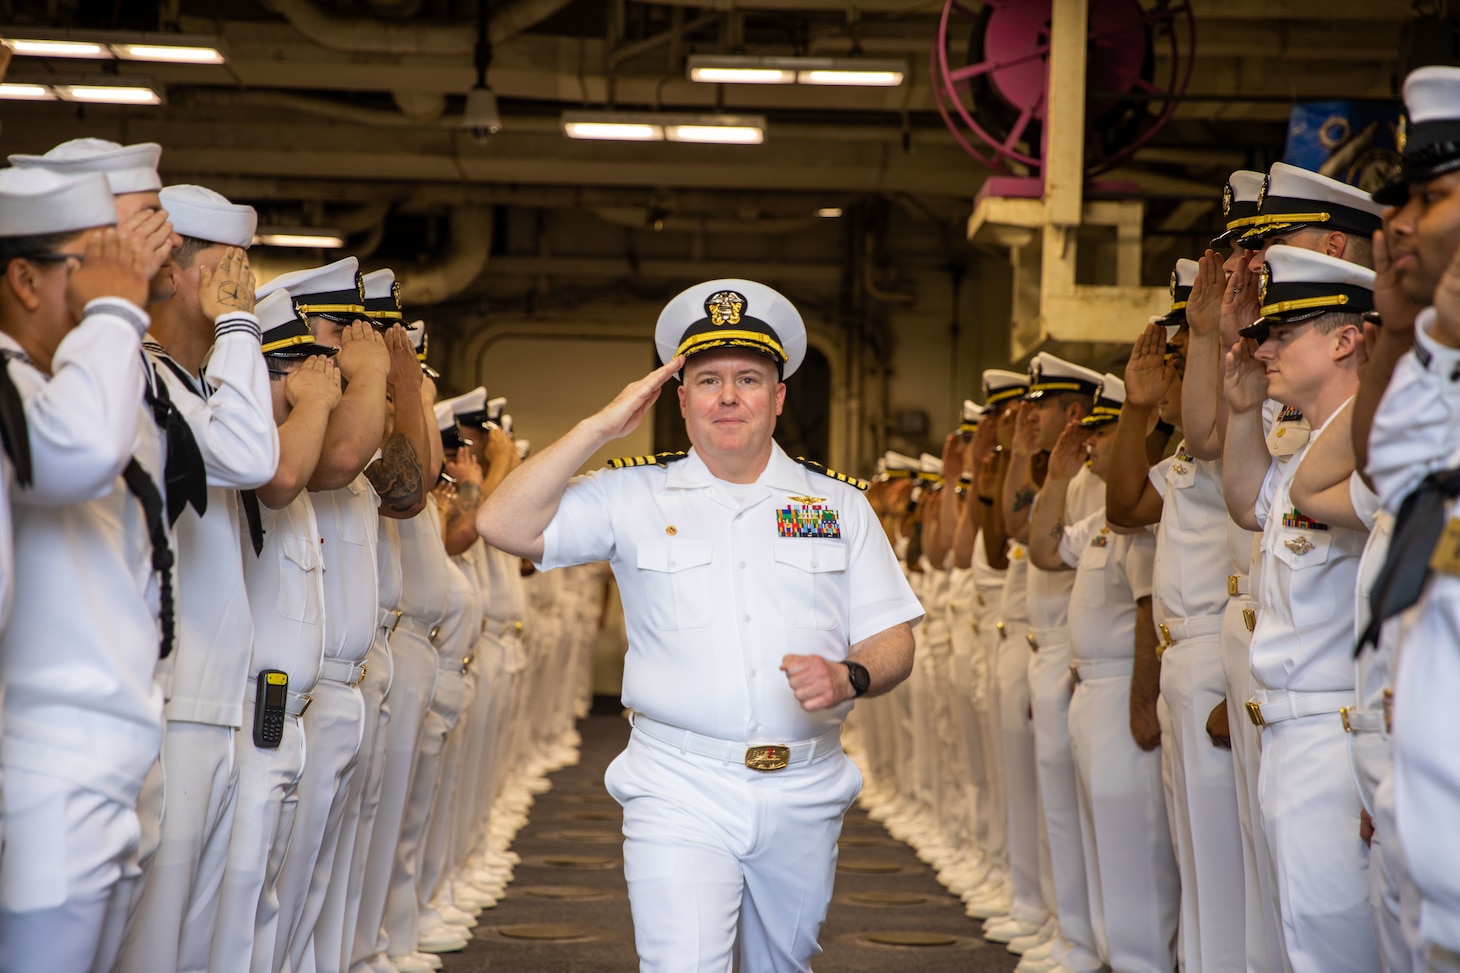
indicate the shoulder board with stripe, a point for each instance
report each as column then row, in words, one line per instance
column 656, row 459
column 816, row 467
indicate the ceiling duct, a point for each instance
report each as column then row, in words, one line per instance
column 369, row 36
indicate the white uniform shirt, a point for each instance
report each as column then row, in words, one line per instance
column 987, row 580
column 389, row 552
column 1304, row 638
column 714, row 596
column 423, row 561
column 231, row 417
column 348, row 521
column 506, row 603
column 1192, row 559
column 1112, row 571
column 1014, row 600
column 81, row 649
column 285, row 587
column 1049, row 591
column 1417, row 424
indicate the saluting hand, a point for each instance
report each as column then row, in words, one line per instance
column 623, row 415
column 404, row 373
column 463, row 467
column 110, row 266
column 1148, row 375
column 1204, row 306
column 227, row 286
column 1026, row 432
column 817, row 683
column 151, row 234
column 1068, row 455
column 362, row 352
column 1241, row 302
column 1244, row 380
column 1395, row 310
column 317, row 380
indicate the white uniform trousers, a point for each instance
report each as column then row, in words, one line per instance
column 171, row 926
column 715, row 852
column 268, row 797
column 992, row 831
column 334, row 726
column 477, row 754
column 66, row 847
column 413, row 663
column 1310, row 814
column 412, row 875
column 335, row 930
column 1021, row 780
column 964, row 773
column 1264, row 947
column 1049, row 691
column 1393, row 899
column 1129, row 863
column 1207, row 829
column 127, row 891
column 438, row 853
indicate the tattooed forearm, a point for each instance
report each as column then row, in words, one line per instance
column 1057, row 531
column 1024, row 497
column 396, row 476
column 468, row 498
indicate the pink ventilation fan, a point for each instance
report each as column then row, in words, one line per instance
column 999, row 95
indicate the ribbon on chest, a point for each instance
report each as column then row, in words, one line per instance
column 808, row 517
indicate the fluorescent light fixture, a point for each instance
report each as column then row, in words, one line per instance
column 104, row 45
column 26, row 92
column 751, row 69
column 109, row 94
column 300, row 238
column 662, row 126
column 829, row 212
column 47, row 48
column 168, row 53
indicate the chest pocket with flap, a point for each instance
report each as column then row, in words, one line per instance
column 809, row 576
column 676, row 579
column 299, row 564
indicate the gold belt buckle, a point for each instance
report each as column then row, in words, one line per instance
column 773, row 757
column 1033, row 642
column 1075, row 673
column 1343, row 715
column 466, row 662
column 974, row 623
column 395, row 621
column 308, row 701
column 1254, row 713
column 360, row 678
column 1249, row 618
column 979, row 596
column 1234, row 585
column 1000, row 626
column 1389, row 711
column 1166, row 634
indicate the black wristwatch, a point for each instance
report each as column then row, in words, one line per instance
column 860, row 677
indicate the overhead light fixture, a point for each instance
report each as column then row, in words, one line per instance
column 662, row 126
column 829, row 212
column 104, row 45
column 752, row 69
column 300, row 238
column 108, row 94
column 26, row 92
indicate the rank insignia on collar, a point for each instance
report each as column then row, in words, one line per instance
column 808, row 499
column 810, row 520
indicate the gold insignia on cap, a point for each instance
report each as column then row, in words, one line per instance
column 1175, row 279
column 1227, row 200
column 1401, row 133
column 395, row 293
column 725, row 307
column 1264, row 281
column 360, row 286
column 1262, row 193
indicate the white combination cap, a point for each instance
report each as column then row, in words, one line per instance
column 930, row 467
column 970, row 416
column 38, row 202
column 523, row 448
column 1048, row 374
column 899, row 465
column 1109, row 397
column 128, row 168
column 1001, row 385
column 1298, row 284
column 202, row 214
column 332, row 289
column 1239, row 203
column 382, row 296
column 1183, row 277
column 1429, row 140
column 732, row 313
column 1294, row 197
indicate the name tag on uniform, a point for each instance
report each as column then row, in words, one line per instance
column 808, row 520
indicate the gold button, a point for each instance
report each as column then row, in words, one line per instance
column 671, row 530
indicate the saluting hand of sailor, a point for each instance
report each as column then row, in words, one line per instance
column 1148, row 375
column 151, row 233
column 405, row 373
column 817, row 683
column 1204, row 305
column 362, row 352
column 1241, row 302
column 623, row 415
column 1068, row 455
column 1244, row 379
column 1396, row 311
column 227, row 286
column 316, row 381
column 111, row 266
column 463, row 467
column 1026, row 431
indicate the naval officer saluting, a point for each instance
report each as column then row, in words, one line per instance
column 761, row 598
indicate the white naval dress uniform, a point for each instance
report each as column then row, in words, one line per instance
column 285, row 587
column 334, row 724
column 1050, row 686
column 714, row 599
column 231, row 417
column 485, row 675
column 1303, row 674
column 1031, row 885
column 83, row 726
column 1134, row 886
column 1415, row 432
column 1189, row 597
column 988, row 591
column 963, row 768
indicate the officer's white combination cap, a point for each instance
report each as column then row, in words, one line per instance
column 1109, row 397
column 1430, row 142
column 930, row 466
column 416, row 331
column 732, row 313
column 523, row 448
column 202, row 214
column 1239, row 203
column 899, row 464
column 971, row 412
column 382, row 296
column 1298, row 284
column 37, row 202
column 1055, row 376
column 128, row 168
column 1183, row 277
column 1296, row 197
column 1001, row 385
column 332, row 289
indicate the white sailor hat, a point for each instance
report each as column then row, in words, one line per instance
column 899, row 465
column 732, row 313
column 970, row 416
column 382, row 297
column 1298, row 284
column 128, row 168
column 1001, row 385
column 1429, row 137
column 283, row 331
column 36, row 202
column 1048, row 374
column 333, row 290
column 1239, row 204
column 1182, row 278
column 930, row 468
column 416, row 331
column 1293, row 198
column 202, row 214
column 1109, row 397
